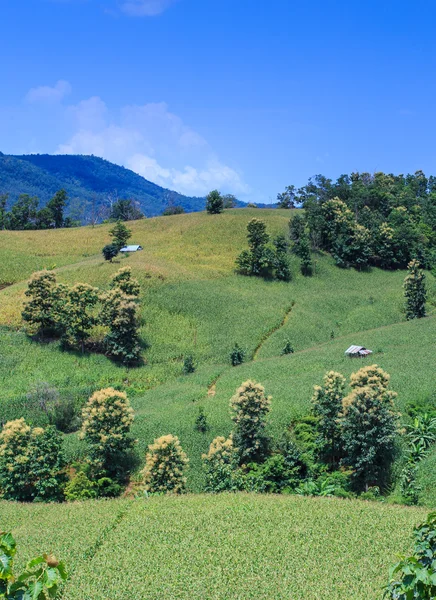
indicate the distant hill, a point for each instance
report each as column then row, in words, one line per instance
column 86, row 179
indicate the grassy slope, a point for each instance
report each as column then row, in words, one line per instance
column 220, row 547
column 192, row 303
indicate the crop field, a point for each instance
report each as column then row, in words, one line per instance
column 220, row 547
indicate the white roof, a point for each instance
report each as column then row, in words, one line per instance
column 357, row 350
column 131, row 248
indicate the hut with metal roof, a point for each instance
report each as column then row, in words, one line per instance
column 357, row 352
column 133, row 248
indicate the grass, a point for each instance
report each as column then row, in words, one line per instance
column 220, row 547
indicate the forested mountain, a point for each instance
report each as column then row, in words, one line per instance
column 89, row 181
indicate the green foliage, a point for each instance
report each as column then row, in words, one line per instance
column 188, row 364
column 120, row 314
column 249, row 410
column 369, row 428
column 80, row 488
column 327, row 406
column 110, row 251
column 214, row 203
column 56, row 207
column 287, row 348
column 40, row 580
column 237, row 355
column 40, row 310
column 125, row 210
column 173, row 210
column 77, row 318
column 107, row 419
column 415, row 291
column 201, row 423
column 413, row 577
column 120, row 234
column 165, row 466
column 108, row 488
column 220, row 466
column 123, row 280
column 229, row 201
column 287, row 198
column 303, row 251
column 31, row 462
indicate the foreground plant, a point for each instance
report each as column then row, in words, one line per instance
column 40, row 580
column 414, row 577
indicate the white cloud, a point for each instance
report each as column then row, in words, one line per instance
column 145, row 8
column 45, row 93
column 153, row 142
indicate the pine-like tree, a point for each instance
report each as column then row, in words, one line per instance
column 120, row 234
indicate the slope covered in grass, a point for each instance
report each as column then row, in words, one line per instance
column 221, row 547
column 192, row 302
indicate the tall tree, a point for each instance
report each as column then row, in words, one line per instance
column 57, row 205
column 214, row 203
column 415, row 291
column 120, row 234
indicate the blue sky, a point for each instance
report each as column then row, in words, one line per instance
column 244, row 95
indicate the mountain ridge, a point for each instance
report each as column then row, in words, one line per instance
column 86, row 178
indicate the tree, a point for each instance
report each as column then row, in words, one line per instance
column 120, row 234
column 23, row 213
column 306, row 265
column 110, row 251
column 297, row 227
column 415, row 291
column 126, row 210
column 165, row 466
column 123, row 280
column 119, row 313
column 56, row 206
column 214, row 203
column 369, row 427
column 282, row 266
column 249, row 408
column 327, row 406
column 259, row 259
column 3, row 202
column 77, row 316
column 287, row 198
column 220, row 465
column 237, row 355
column 40, row 310
column 173, row 210
column 107, row 419
column 229, row 201
column 31, row 462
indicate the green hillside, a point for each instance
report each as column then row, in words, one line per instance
column 192, row 302
column 86, row 179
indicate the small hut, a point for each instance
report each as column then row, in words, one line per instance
column 357, row 352
column 134, row 248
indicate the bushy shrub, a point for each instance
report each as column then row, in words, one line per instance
column 80, row 488
column 369, row 430
column 119, row 313
column 107, row 419
column 220, row 465
column 287, row 348
column 77, row 315
column 40, row 580
column 237, row 355
column 39, row 310
column 124, row 281
column 165, row 466
column 327, row 406
column 110, row 251
column 31, row 462
column 188, row 365
column 413, row 577
column 108, row 488
column 249, row 409
column 415, row 291
column 201, row 423
column 214, row 203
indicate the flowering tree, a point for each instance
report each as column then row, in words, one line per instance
column 165, row 466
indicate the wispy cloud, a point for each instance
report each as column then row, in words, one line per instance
column 145, row 8
column 46, row 93
column 153, row 142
